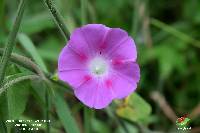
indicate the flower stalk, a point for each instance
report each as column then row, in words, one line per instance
column 58, row 19
column 11, row 41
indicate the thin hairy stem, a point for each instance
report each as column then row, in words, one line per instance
column 11, row 40
column 15, row 81
column 31, row 66
column 58, row 19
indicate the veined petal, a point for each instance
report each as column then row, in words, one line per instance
column 124, row 79
column 69, row 59
column 126, row 50
column 74, row 77
column 94, row 94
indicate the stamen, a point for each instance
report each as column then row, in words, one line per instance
column 98, row 66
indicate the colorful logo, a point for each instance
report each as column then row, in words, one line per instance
column 182, row 122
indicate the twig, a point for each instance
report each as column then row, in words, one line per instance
column 165, row 107
column 58, row 19
column 11, row 40
column 195, row 112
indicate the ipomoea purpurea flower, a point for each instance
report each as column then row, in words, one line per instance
column 100, row 64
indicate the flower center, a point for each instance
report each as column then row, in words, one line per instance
column 98, row 66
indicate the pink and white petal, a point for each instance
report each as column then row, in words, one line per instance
column 121, row 87
column 125, row 51
column 74, row 77
column 129, row 70
column 124, row 79
column 94, row 35
column 113, row 39
column 104, row 96
column 70, row 60
column 94, row 94
column 78, row 43
column 86, row 92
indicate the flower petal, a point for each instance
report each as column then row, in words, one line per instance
column 94, row 35
column 78, row 42
column 104, row 96
column 124, row 79
column 128, row 69
column 70, row 60
column 74, row 77
column 88, row 38
column 94, row 94
column 86, row 92
column 125, row 51
column 112, row 40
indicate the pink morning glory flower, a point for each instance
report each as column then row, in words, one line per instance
column 100, row 64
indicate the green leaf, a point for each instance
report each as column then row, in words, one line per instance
column 87, row 119
column 134, row 109
column 169, row 59
column 17, row 97
column 13, row 101
column 29, row 46
column 3, row 107
column 65, row 115
column 99, row 126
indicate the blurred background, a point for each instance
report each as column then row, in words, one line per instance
column 167, row 35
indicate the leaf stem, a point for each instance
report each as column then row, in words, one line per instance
column 11, row 40
column 17, row 80
column 30, row 65
column 58, row 19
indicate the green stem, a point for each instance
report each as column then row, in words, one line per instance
column 135, row 18
column 11, row 40
column 83, row 11
column 15, row 81
column 47, row 110
column 31, row 66
column 87, row 119
column 175, row 32
column 2, row 7
column 58, row 19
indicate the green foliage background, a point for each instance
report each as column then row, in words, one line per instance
column 167, row 34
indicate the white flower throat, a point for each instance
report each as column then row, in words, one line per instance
column 98, row 66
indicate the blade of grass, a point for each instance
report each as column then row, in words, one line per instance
column 11, row 40
column 2, row 7
column 87, row 119
column 135, row 18
column 83, row 12
column 169, row 29
column 91, row 11
column 65, row 115
column 28, row 45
